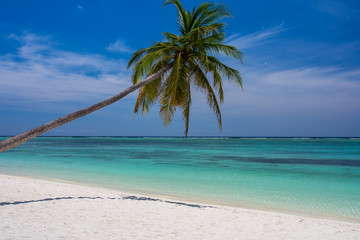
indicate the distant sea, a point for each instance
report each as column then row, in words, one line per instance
column 318, row 176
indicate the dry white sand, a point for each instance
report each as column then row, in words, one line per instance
column 29, row 210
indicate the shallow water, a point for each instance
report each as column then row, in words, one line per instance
column 316, row 176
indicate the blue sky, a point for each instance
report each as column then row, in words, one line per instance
column 301, row 67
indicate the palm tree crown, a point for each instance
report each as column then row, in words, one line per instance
column 191, row 57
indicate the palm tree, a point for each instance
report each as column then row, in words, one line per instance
column 170, row 69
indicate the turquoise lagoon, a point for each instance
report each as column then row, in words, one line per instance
column 311, row 176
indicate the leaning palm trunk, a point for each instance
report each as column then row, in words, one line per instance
column 19, row 139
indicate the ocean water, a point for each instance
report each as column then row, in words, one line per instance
column 311, row 176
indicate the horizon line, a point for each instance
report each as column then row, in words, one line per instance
column 119, row 136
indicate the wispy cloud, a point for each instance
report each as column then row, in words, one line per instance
column 301, row 91
column 255, row 38
column 40, row 72
column 80, row 7
column 119, row 46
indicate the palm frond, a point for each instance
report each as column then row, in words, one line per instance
column 213, row 14
column 183, row 15
column 147, row 96
column 218, row 85
column 230, row 73
column 135, row 57
column 171, row 37
column 219, row 48
column 185, row 106
column 201, row 82
column 167, row 96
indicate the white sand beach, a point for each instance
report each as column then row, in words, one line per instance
column 41, row 209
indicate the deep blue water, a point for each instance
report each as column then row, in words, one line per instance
column 318, row 176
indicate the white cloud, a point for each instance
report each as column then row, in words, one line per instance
column 256, row 38
column 306, row 101
column 300, row 91
column 41, row 73
column 119, row 46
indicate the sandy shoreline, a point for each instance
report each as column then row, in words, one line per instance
column 40, row 209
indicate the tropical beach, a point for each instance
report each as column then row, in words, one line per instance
column 256, row 133
column 132, row 188
column 42, row 209
column 286, row 174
